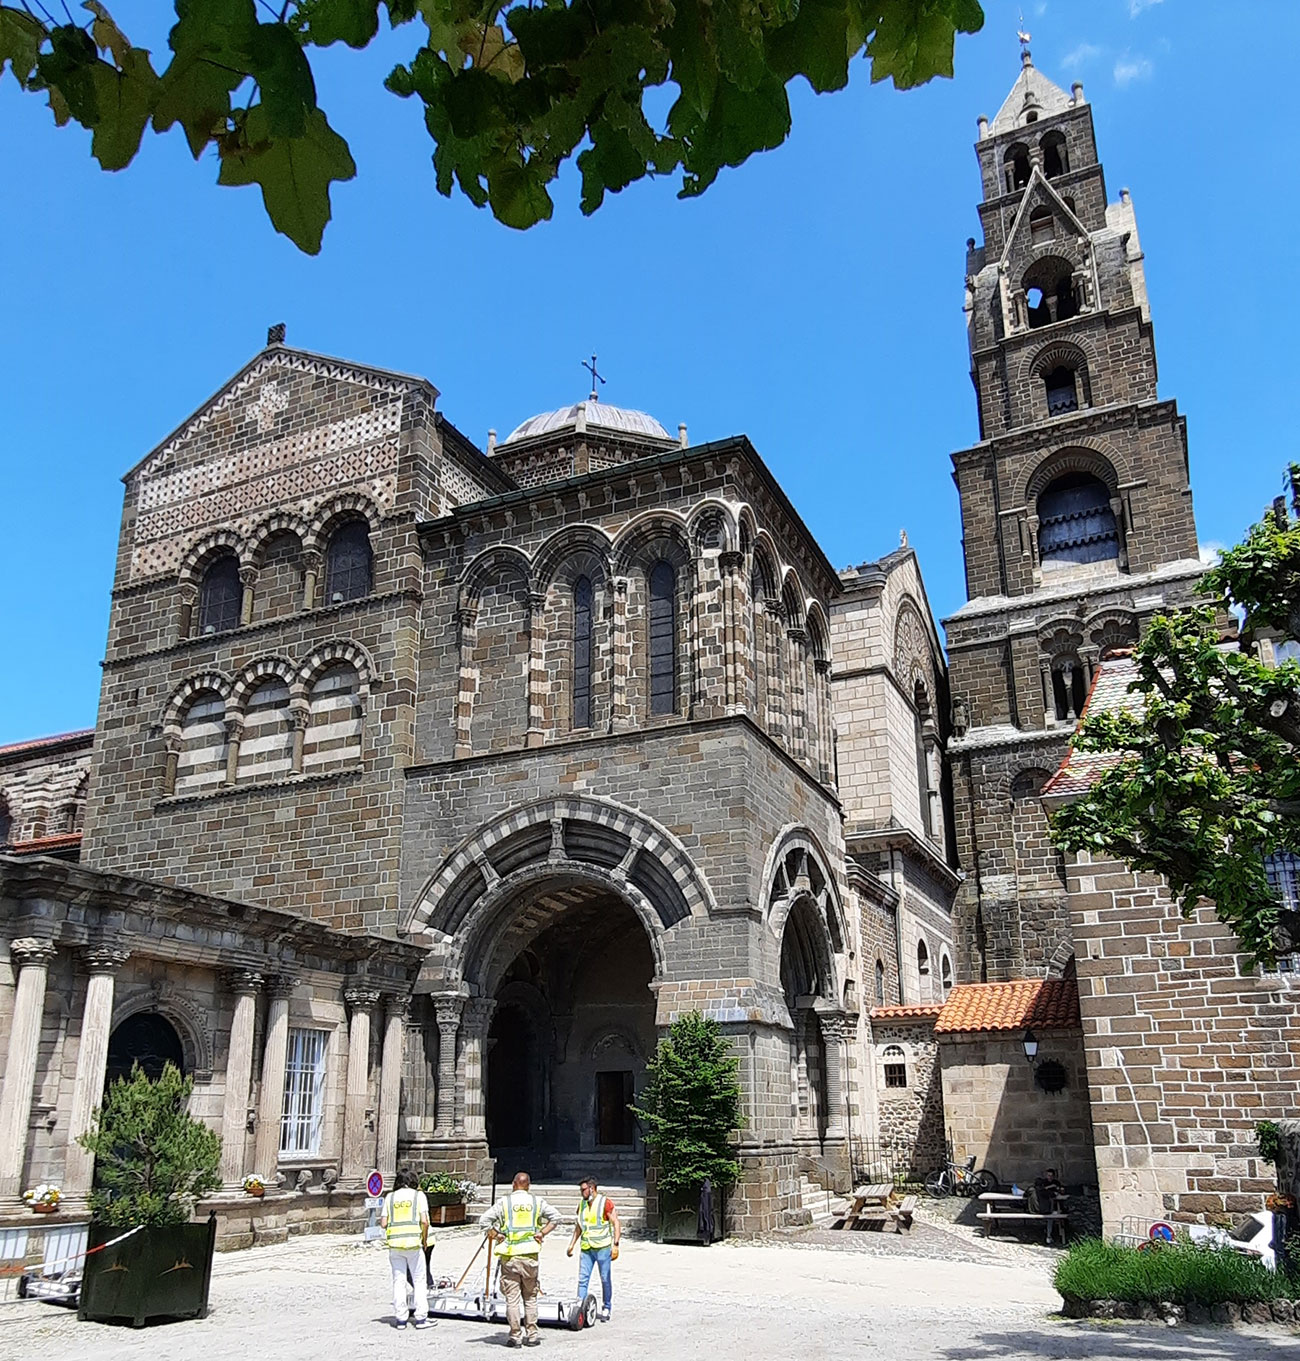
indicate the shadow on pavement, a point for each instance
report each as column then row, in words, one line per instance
column 1123, row 1342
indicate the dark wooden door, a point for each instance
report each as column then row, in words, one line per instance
column 613, row 1119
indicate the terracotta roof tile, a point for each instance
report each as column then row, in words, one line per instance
column 36, row 743
column 1027, row 1003
column 906, row 1013
column 43, row 845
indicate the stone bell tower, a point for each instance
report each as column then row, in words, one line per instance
column 1076, row 505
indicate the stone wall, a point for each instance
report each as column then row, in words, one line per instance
column 911, row 1118
column 1187, row 1048
column 996, row 1112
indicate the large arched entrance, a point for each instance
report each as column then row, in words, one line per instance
column 147, row 1038
column 572, row 1028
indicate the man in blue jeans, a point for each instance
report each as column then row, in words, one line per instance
column 598, row 1231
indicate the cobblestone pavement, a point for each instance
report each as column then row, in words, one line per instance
column 325, row 1298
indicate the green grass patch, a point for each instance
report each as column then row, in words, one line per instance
column 1179, row 1273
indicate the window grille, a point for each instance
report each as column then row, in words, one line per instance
column 582, row 596
column 221, row 597
column 304, row 1085
column 663, row 639
column 348, row 565
column 895, row 1066
column 1283, row 873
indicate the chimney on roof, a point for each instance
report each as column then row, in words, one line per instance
column 275, row 334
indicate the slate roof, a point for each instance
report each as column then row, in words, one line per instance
column 1027, row 1003
column 36, row 743
column 599, row 416
column 1045, row 96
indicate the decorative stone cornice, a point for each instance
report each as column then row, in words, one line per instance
column 922, row 851
column 32, row 951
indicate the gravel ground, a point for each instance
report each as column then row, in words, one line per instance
column 325, row 1297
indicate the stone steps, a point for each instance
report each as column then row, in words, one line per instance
column 629, row 1200
column 824, row 1206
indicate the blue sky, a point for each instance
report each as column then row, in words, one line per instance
column 811, row 299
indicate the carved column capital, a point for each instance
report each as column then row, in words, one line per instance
column 397, row 1008
column 104, row 958
column 772, row 606
column 822, row 666
column 299, row 716
column 537, row 601
column 241, row 981
column 281, row 984
column 248, row 576
column 189, row 592
column 312, row 559
column 465, row 616
column 361, row 998
column 27, row 951
column 798, row 635
column 478, row 1013
column 731, row 561
column 448, row 1010
column 835, row 1027
column 620, row 586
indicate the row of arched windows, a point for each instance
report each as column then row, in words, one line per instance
column 1017, row 161
column 62, row 819
column 275, row 728
column 224, row 584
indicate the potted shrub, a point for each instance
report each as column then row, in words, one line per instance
column 690, row 1109
column 153, row 1160
column 447, row 1197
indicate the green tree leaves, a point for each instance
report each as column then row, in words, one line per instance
column 509, row 92
column 691, row 1105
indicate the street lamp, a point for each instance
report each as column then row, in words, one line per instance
column 1031, row 1046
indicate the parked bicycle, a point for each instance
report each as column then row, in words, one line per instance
column 960, row 1179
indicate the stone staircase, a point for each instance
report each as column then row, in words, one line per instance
column 629, row 1200
column 824, row 1206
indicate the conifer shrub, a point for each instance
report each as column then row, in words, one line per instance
column 153, row 1160
column 690, row 1106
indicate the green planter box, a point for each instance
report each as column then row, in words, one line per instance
column 679, row 1216
column 161, row 1272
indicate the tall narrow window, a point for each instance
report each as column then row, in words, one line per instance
column 348, row 563
column 922, row 959
column 663, row 638
column 304, row 1089
column 880, row 982
column 582, row 652
column 220, row 596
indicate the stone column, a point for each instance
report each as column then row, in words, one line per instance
column 536, row 733
column 729, row 564
column 311, row 565
column 772, row 621
column 102, row 962
column 31, row 958
column 189, row 597
column 478, row 1018
column 467, row 631
column 798, row 694
column 234, row 734
column 390, row 1084
column 621, row 648
column 245, row 984
column 834, row 1028
column 299, row 721
column 248, row 580
column 270, row 1106
column 360, row 1000
column 448, row 1010
column 825, row 721
column 172, row 743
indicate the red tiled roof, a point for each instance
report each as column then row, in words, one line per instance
column 1109, row 694
column 43, row 845
column 907, row 1013
column 1028, row 1003
column 36, row 743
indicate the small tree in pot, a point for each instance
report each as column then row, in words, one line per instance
column 153, row 1160
column 690, row 1109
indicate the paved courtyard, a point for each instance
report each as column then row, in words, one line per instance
column 937, row 1296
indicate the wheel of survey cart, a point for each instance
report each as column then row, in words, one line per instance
column 582, row 1313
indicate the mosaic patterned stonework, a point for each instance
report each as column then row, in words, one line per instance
column 298, row 472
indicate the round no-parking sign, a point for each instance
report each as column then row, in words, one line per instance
column 1161, row 1232
column 375, row 1184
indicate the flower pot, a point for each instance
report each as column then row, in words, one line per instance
column 679, row 1216
column 40, row 1209
column 453, row 1213
column 163, row 1271
column 258, row 1191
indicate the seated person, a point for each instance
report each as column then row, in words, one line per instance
column 1045, row 1193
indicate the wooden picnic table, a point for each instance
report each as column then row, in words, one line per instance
column 1056, row 1220
column 868, row 1206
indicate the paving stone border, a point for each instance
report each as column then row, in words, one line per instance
column 1164, row 1311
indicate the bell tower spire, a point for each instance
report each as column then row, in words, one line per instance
column 1076, row 508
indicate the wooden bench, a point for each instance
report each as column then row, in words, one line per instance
column 1057, row 1219
column 902, row 1214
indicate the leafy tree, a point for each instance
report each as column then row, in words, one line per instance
column 691, row 1105
column 153, row 1160
column 1201, row 772
column 510, row 92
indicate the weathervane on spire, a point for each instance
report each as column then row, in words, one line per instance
column 1024, row 35
column 596, row 377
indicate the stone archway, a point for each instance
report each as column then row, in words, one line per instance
column 568, row 968
column 147, row 1038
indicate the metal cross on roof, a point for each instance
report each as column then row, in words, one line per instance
column 595, row 376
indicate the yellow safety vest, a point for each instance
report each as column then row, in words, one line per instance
column 403, row 1230
column 522, row 1218
column 597, row 1231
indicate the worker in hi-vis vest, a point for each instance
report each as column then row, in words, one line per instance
column 519, row 1221
column 598, row 1230
column 405, row 1222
